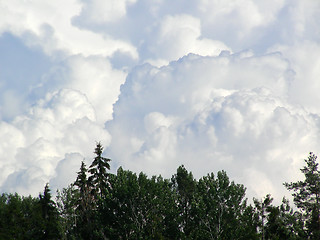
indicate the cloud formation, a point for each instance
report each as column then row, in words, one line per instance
column 59, row 130
column 213, row 113
column 209, row 84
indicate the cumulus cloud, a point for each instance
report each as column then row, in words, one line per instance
column 305, row 60
column 93, row 76
column 99, row 11
column 239, row 23
column 66, row 170
column 227, row 112
column 49, row 26
column 11, row 140
column 176, row 36
column 56, row 133
column 209, row 84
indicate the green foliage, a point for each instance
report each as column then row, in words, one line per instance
column 50, row 218
column 184, row 187
column 98, row 171
column 276, row 222
column 85, row 203
column 306, row 196
column 29, row 218
column 282, row 223
column 219, row 208
column 139, row 208
column 67, row 202
column 101, row 205
column 262, row 210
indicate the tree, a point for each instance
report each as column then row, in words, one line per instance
column 248, row 224
column 67, row 201
column 50, row 216
column 85, row 205
column 82, row 181
column 119, row 213
column 220, row 207
column 85, row 200
column 137, row 207
column 12, row 224
column 184, row 186
column 306, row 196
column 262, row 213
column 162, row 213
column 20, row 217
column 98, row 184
column 282, row 222
column 98, row 171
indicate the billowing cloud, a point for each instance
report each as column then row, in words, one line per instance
column 177, row 36
column 305, row 60
column 209, row 84
column 93, row 76
column 99, row 11
column 56, row 131
column 49, row 26
column 228, row 112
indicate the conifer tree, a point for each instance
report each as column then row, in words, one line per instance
column 85, row 204
column 50, row 216
column 83, row 187
column 98, row 171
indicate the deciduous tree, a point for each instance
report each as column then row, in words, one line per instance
column 306, row 196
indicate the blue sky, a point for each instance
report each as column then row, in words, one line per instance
column 212, row 85
column 19, row 62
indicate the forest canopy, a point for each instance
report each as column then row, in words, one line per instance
column 127, row 205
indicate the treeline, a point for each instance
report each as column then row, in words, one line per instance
column 101, row 205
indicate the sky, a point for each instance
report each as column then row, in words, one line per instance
column 214, row 85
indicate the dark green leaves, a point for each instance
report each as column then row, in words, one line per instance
column 220, row 207
column 306, row 196
column 127, row 205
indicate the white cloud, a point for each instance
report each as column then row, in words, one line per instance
column 57, row 132
column 304, row 58
column 95, row 77
column 179, row 35
column 251, row 112
column 101, row 11
column 92, row 76
column 213, row 113
column 11, row 140
column 49, row 25
column 155, row 120
column 66, row 170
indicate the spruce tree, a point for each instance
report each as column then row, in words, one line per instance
column 83, row 187
column 50, row 216
column 85, row 205
column 98, row 171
